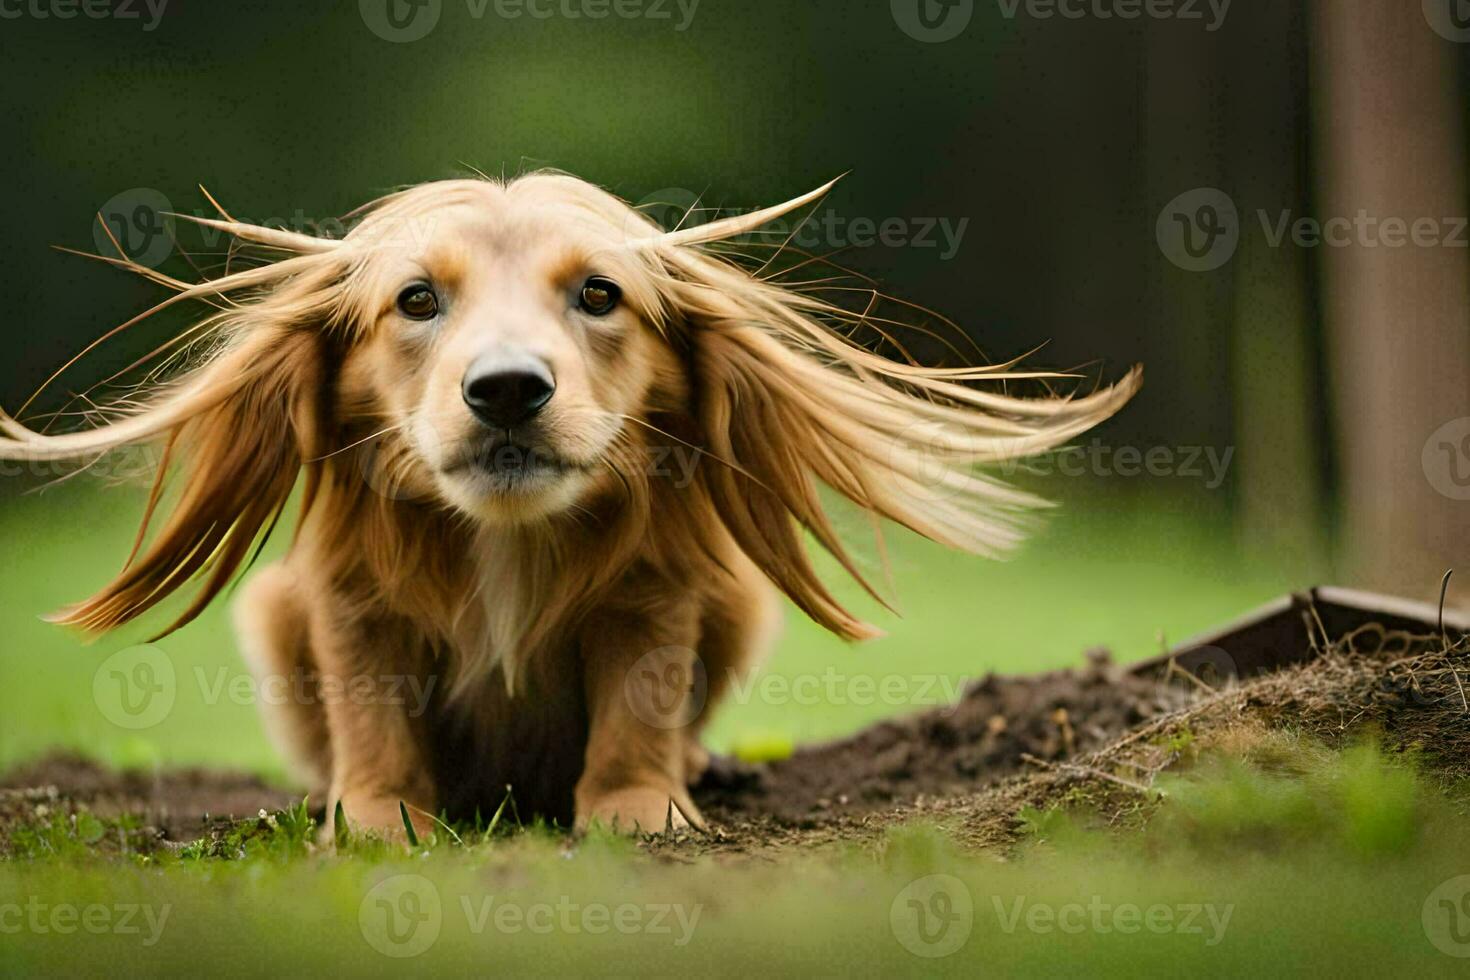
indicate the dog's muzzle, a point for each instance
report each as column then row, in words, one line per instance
column 504, row 392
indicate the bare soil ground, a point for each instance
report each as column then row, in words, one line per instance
column 1093, row 737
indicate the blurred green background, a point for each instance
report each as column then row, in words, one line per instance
column 1055, row 145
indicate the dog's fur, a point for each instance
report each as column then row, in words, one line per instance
column 534, row 604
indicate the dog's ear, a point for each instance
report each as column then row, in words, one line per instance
column 237, row 463
column 784, row 403
column 233, row 433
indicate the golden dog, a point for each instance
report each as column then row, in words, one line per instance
column 479, row 382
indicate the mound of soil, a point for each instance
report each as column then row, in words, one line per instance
column 1098, row 733
column 179, row 804
column 1001, row 726
column 992, row 732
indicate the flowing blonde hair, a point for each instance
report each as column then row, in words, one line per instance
column 784, row 401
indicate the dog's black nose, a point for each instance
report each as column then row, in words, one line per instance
column 502, row 393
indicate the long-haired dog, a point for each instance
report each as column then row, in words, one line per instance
column 478, row 382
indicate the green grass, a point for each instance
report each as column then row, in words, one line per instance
column 1283, row 859
column 1342, row 875
column 1112, row 574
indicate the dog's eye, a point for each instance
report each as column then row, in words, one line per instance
column 600, row 296
column 418, row 302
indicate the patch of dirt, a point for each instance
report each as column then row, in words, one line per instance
column 178, row 804
column 986, row 736
column 1094, row 737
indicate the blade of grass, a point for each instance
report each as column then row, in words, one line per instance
column 340, row 833
column 413, row 837
column 499, row 812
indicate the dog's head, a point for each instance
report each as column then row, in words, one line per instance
column 506, row 336
column 510, row 352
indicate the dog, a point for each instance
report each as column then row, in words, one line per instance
column 471, row 391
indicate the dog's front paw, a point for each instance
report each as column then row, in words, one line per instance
column 638, row 808
column 377, row 815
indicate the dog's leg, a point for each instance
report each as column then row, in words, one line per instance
column 272, row 628
column 379, row 743
column 642, row 697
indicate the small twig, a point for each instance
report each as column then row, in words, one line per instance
column 1174, row 668
column 1077, row 769
column 1444, row 587
column 1321, row 628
